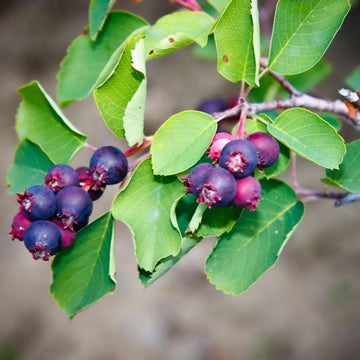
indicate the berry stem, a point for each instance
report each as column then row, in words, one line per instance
column 188, row 4
column 87, row 145
column 240, row 131
column 135, row 149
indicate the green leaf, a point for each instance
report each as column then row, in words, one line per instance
column 181, row 141
column 354, row 79
column 98, row 11
column 256, row 241
column 309, row 136
column 237, row 38
column 348, row 175
column 121, row 98
column 208, row 52
column 302, row 32
column 175, row 31
column 29, row 167
column 284, row 157
column 164, row 265
column 85, row 272
column 219, row 5
column 41, row 121
column 145, row 206
column 83, row 67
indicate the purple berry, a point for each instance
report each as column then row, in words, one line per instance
column 81, row 224
column 67, row 235
column 196, row 178
column 37, row 202
column 239, row 157
column 218, row 189
column 61, row 175
column 86, row 182
column 248, row 193
column 267, row 148
column 108, row 165
column 73, row 206
column 212, row 105
column 19, row 224
column 43, row 239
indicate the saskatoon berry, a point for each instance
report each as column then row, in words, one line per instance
column 81, row 224
column 37, row 202
column 74, row 205
column 248, row 193
column 196, row 178
column 218, row 189
column 86, row 181
column 108, row 165
column 43, row 239
column 67, row 235
column 267, row 148
column 239, row 157
column 212, row 105
column 19, row 224
column 217, row 144
column 61, row 175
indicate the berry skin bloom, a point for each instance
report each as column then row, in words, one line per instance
column 43, row 239
column 239, row 157
column 108, row 165
column 37, row 202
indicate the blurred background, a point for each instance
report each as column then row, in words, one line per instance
column 306, row 307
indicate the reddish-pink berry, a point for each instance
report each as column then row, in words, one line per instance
column 19, row 224
column 217, row 144
column 248, row 193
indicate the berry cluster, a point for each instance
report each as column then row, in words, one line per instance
column 50, row 214
column 229, row 179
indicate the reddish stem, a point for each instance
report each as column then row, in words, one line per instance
column 188, row 4
column 87, row 145
column 135, row 149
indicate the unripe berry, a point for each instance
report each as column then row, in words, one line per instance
column 239, row 157
column 43, row 239
column 19, row 224
column 267, row 148
column 248, row 193
column 37, row 202
column 74, row 205
column 108, row 165
column 219, row 141
column 61, row 175
column 218, row 189
column 196, row 178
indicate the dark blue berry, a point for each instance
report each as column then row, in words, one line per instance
column 196, row 178
column 239, row 157
column 43, row 239
column 61, row 175
column 267, row 148
column 108, row 165
column 37, row 202
column 74, row 205
column 212, row 105
column 248, row 193
column 218, row 188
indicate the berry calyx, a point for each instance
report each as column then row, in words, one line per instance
column 18, row 226
column 43, row 239
column 37, row 202
column 87, row 183
column 239, row 157
column 196, row 178
column 267, row 148
column 108, row 165
column 218, row 188
column 74, row 205
column 61, row 175
column 248, row 193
